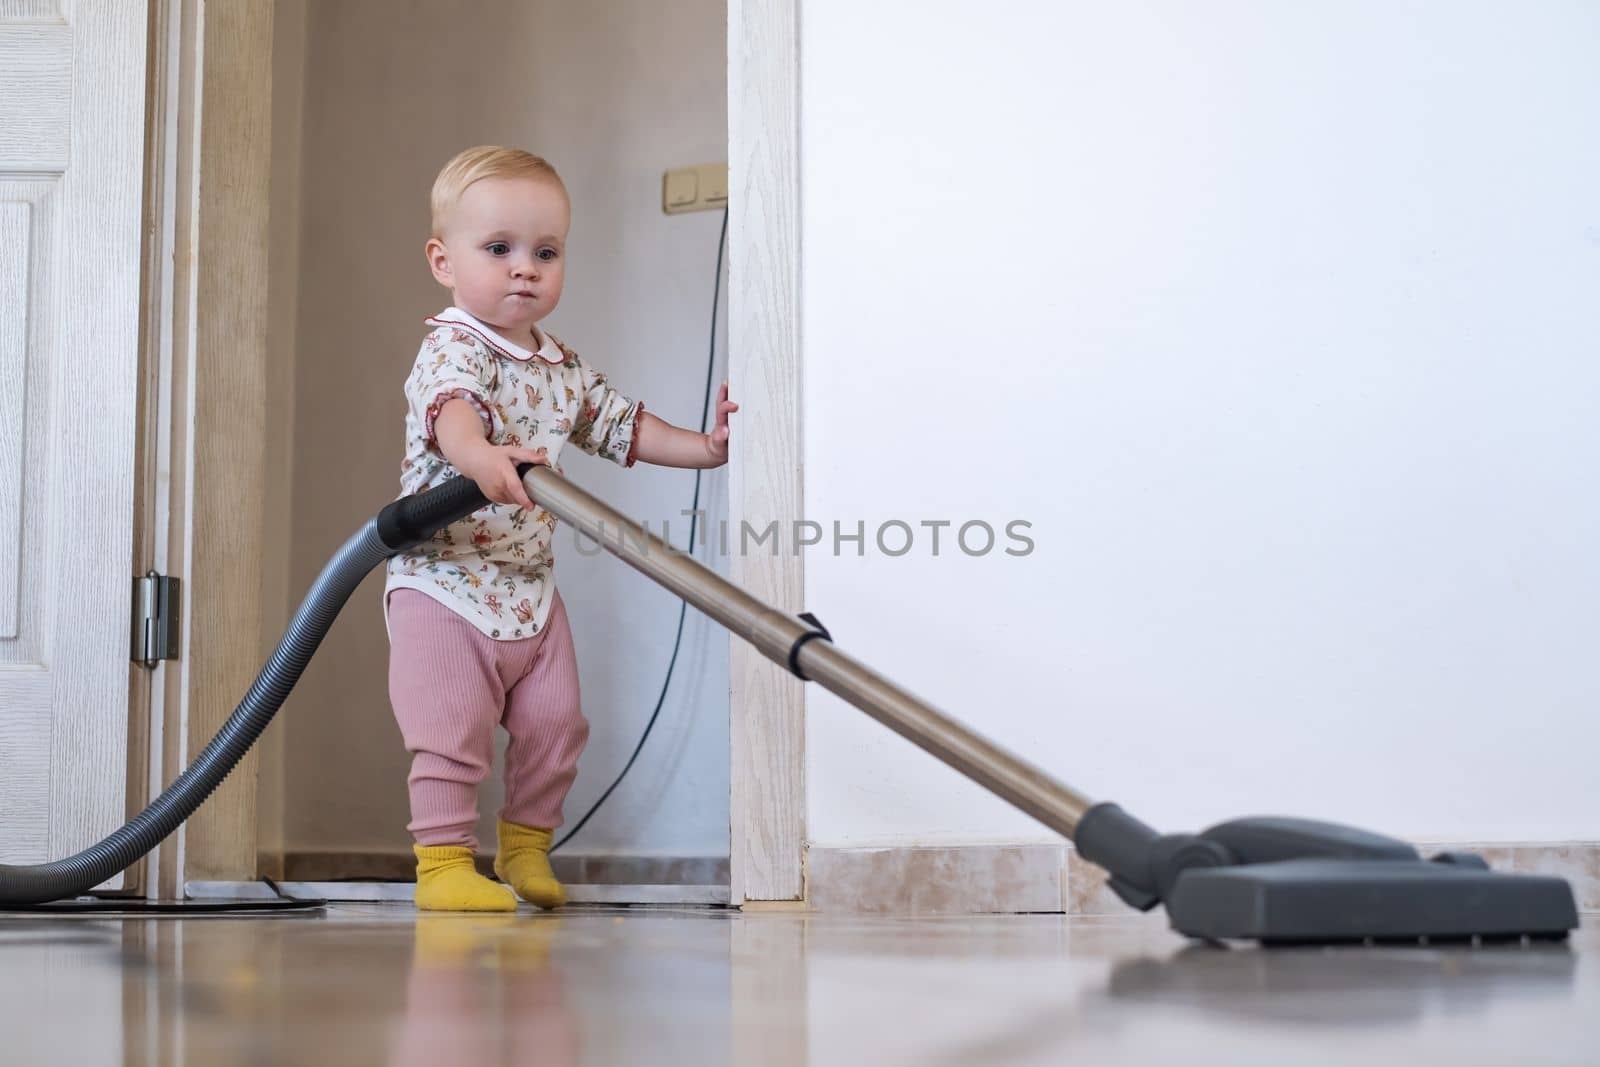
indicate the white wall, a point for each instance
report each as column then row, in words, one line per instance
column 1279, row 323
column 612, row 94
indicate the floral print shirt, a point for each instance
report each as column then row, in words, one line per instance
column 494, row 568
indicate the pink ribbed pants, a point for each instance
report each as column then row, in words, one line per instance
column 450, row 684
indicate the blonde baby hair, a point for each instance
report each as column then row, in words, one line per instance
column 476, row 164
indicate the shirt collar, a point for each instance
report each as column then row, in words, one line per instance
column 547, row 350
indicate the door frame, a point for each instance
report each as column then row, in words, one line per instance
column 203, row 474
column 209, row 168
column 767, row 803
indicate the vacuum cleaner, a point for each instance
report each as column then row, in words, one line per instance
column 1272, row 880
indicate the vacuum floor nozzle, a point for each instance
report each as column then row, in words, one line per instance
column 1329, row 901
column 1287, row 881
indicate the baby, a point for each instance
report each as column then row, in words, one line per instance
column 477, row 631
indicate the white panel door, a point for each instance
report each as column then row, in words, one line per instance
column 72, row 82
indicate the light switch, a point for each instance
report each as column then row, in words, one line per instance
column 679, row 189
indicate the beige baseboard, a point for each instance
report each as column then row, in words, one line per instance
column 958, row 879
column 974, row 879
column 577, row 869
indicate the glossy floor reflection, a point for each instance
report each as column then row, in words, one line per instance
column 371, row 984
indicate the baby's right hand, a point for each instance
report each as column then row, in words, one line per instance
column 494, row 468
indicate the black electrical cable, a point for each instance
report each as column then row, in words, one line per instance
column 683, row 606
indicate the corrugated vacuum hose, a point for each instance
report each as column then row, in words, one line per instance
column 402, row 523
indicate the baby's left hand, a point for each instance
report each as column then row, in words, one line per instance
column 717, row 439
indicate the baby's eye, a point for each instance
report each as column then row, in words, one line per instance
column 497, row 248
column 547, row 254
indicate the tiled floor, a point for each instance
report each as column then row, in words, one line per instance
column 376, row 984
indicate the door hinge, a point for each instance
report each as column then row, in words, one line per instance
column 155, row 619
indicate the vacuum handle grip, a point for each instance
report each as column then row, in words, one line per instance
column 411, row 519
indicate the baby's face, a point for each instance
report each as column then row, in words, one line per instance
column 504, row 250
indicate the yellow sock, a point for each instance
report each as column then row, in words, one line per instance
column 524, row 861
column 447, row 881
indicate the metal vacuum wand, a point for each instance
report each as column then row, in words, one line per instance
column 1273, row 879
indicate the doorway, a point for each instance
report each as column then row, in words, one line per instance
column 380, row 95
